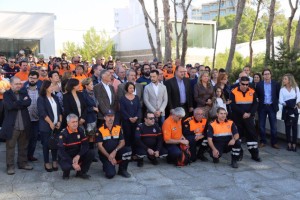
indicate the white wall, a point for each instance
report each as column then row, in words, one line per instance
column 22, row 25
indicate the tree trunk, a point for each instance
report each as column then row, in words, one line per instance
column 290, row 21
column 168, row 31
column 269, row 29
column 148, row 28
column 176, row 31
column 297, row 37
column 184, row 31
column 216, row 40
column 157, row 30
column 272, row 44
column 253, row 33
column 235, row 30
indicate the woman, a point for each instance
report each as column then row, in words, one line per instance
column 92, row 110
column 214, row 77
column 138, row 72
column 130, row 110
column 74, row 102
column 56, row 84
column 289, row 97
column 222, row 82
column 256, row 79
column 203, row 93
column 64, row 68
column 50, row 119
column 79, row 75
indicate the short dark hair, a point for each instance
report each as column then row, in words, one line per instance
column 148, row 112
column 52, row 72
column 46, row 84
column 258, row 74
column 222, row 70
column 34, row 73
column 266, row 70
column 220, row 108
column 244, row 78
column 154, row 71
column 72, row 82
column 143, row 67
column 127, row 86
column 22, row 61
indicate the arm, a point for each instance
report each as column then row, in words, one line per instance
column 210, row 142
column 84, row 144
column 123, row 109
column 198, row 96
column 235, row 108
column 138, row 139
column 146, row 99
column 254, row 105
column 281, row 94
column 9, row 103
column 167, row 136
column 165, row 100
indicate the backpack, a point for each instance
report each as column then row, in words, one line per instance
column 185, row 158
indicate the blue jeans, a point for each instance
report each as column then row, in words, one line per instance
column 45, row 142
column 33, row 137
column 263, row 112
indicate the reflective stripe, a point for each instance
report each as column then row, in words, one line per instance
column 140, row 156
column 222, row 134
column 244, row 102
column 106, row 138
column 251, row 143
column 164, row 155
column 252, row 147
column 199, row 134
column 115, row 137
column 234, row 149
column 235, row 154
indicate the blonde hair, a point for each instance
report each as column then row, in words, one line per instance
column 200, row 77
column 291, row 80
column 86, row 82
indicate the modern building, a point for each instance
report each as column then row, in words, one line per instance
column 32, row 32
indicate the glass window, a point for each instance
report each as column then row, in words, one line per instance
column 11, row 47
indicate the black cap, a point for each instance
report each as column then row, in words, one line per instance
column 110, row 112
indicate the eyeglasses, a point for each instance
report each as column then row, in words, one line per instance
column 151, row 118
column 244, row 84
column 12, row 61
column 44, row 70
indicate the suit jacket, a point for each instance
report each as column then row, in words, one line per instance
column 138, row 89
column 45, row 109
column 153, row 102
column 103, row 99
column 260, row 92
column 11, row 107
column 174, row 95
column 70, row 105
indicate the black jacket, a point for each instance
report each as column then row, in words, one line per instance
column 260, row 92
column 70, row 105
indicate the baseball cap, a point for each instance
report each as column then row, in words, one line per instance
column 110, row 112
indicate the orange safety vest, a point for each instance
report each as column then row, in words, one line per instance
column 196, row 127
column 107, row 134
column 243, row 98
column 221, row 129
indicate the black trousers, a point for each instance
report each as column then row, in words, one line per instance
column 194, row 144
column 223, row 147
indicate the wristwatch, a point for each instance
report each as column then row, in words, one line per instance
column 116, row 150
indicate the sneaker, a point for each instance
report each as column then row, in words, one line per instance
column 140, row 163
column 26, row 167
column 124, row 173
column 10, row 170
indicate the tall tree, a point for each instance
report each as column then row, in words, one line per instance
column 235, row 30
column 253, row 32
column 269, row 29
column 290, row 20
column 297, row 37
column 216, row 40
column 168, row 31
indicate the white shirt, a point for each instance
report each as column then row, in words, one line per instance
column 221, row 103
column 54, row 109
column 155, row 88
column 108, row 91
column 285, row 95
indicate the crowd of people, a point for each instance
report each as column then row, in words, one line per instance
column 143, row 109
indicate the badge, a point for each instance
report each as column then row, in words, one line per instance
column 251, row 94
column 97, row 134
column 78, row 137
column 137, row 128
column 228, row 126
column 115, row 131
column 186, row 125
column 174, row 129
column 60, row 137
column 154, row 130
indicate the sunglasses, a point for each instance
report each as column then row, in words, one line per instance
column 244, row 84
column 151, row 118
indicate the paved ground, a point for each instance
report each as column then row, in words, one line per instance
column 276, row 178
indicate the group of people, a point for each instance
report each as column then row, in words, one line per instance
column 126, row 113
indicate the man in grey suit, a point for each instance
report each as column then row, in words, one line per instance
column 104, row 93
column 156, row 97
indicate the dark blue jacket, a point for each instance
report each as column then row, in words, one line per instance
column 11, row 107
column 38, row 84
column 143, row 80
column 260, row 92
column 91, row 115
column 45, row 109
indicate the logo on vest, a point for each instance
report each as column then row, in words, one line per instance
column 78, row 137
column 154, row 130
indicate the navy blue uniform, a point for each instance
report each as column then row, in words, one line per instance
column 110, row 139
column 72, row 144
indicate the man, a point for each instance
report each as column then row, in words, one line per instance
column 159, row 65
column 149, row 141
column 194, row 130
column 244, row 106
column 4, row 86
column 43, row 71
column 11, row 69
column 222, row 137
column 112, row 149
column 236, row 84
column 193, row 72
column 145, row 79
column 2, row 60
column 23, row 73
column 41, row 62
column 16, row 125
column 268, row 94
column 113, row 81
column 156, row 97
column 32, row 88
column 160, row 76
column 172, row 133
column 104, row 93
column 201, row 68
column 179, row 92
column 120, row 72
column 247, row 70
column 169, row 72
column 73, row 150
column 96, row 74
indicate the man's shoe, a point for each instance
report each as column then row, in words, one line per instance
column 276, row 146
column 124, row 173
column 261, row 145
column 257, row 159
column 202, row 158
column 10, row 170
column 234, row 164
column 83, row 175
column 26, row 167
column 66, row 175
column 216, row 160
column 154, row 161
column 95, row 160
column 140, row 163
column 32, row 159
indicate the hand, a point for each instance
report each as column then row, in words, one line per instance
column 76, row 159
column 184, row 141
column 131, row 119
column 52, row 126
column 246, row 115
column 228, row 101
column 81, row 121
column 150, row 152
column 25, row 98
column 231, row 142
column 199, row 137
column 76, row 167
column 2, row 91
column 157, row 113
column 191, row 109
column 58, row 125
column 156, row 154
column 112, row 157
column 216, row 153
column 95, row 109
column 209, row 102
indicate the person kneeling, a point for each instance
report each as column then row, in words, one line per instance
column 73, row 150
column 112, row 149
column 149, row 141
column 222, row 137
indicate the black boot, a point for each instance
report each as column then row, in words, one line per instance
column 234, row 162
column 66, row 175
column 123, row 169
column 140, row 162
column 201, row 157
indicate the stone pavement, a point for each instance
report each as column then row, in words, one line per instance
column 276, row 178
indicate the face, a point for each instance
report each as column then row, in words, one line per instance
column 131, row 77
column 32, row 79
column 160, row 66
column 150, row 119
column 106, row 76
column 247, row 70
column 180, row 72
column 50, row 89
column 224, row 80
column 198, row 115
column 55, row 77
column 154, row 77
column 73, row 123
column 97, row 70
column 111, row 71
column 2, row 59
column 41, row 60
column 204, row 78
column 267, row 75
column 12, row 62
column 139, row 71
column 242, row 74
column 77, row 87
column 285, row 80
column 130, row 89
column 215, row 74
column 146, row 70
column 193, row 73
column 153, row 67
column 79, row 70
column 222, row 115
column 218, row 92
column 32, row 64
column 169, row 69
column 176, row 118
column 201, row 69
column 244, row 85
column 90, row 86
column 43, row 71
column 24, row 66
column 256, row 79
column 64, row 65
column 121, row 73
column 109, row 119
column 16, row 85
column 161, row 75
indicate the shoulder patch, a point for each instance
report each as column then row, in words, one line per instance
column 60, row 137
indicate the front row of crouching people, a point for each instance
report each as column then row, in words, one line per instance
column 219, row 136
